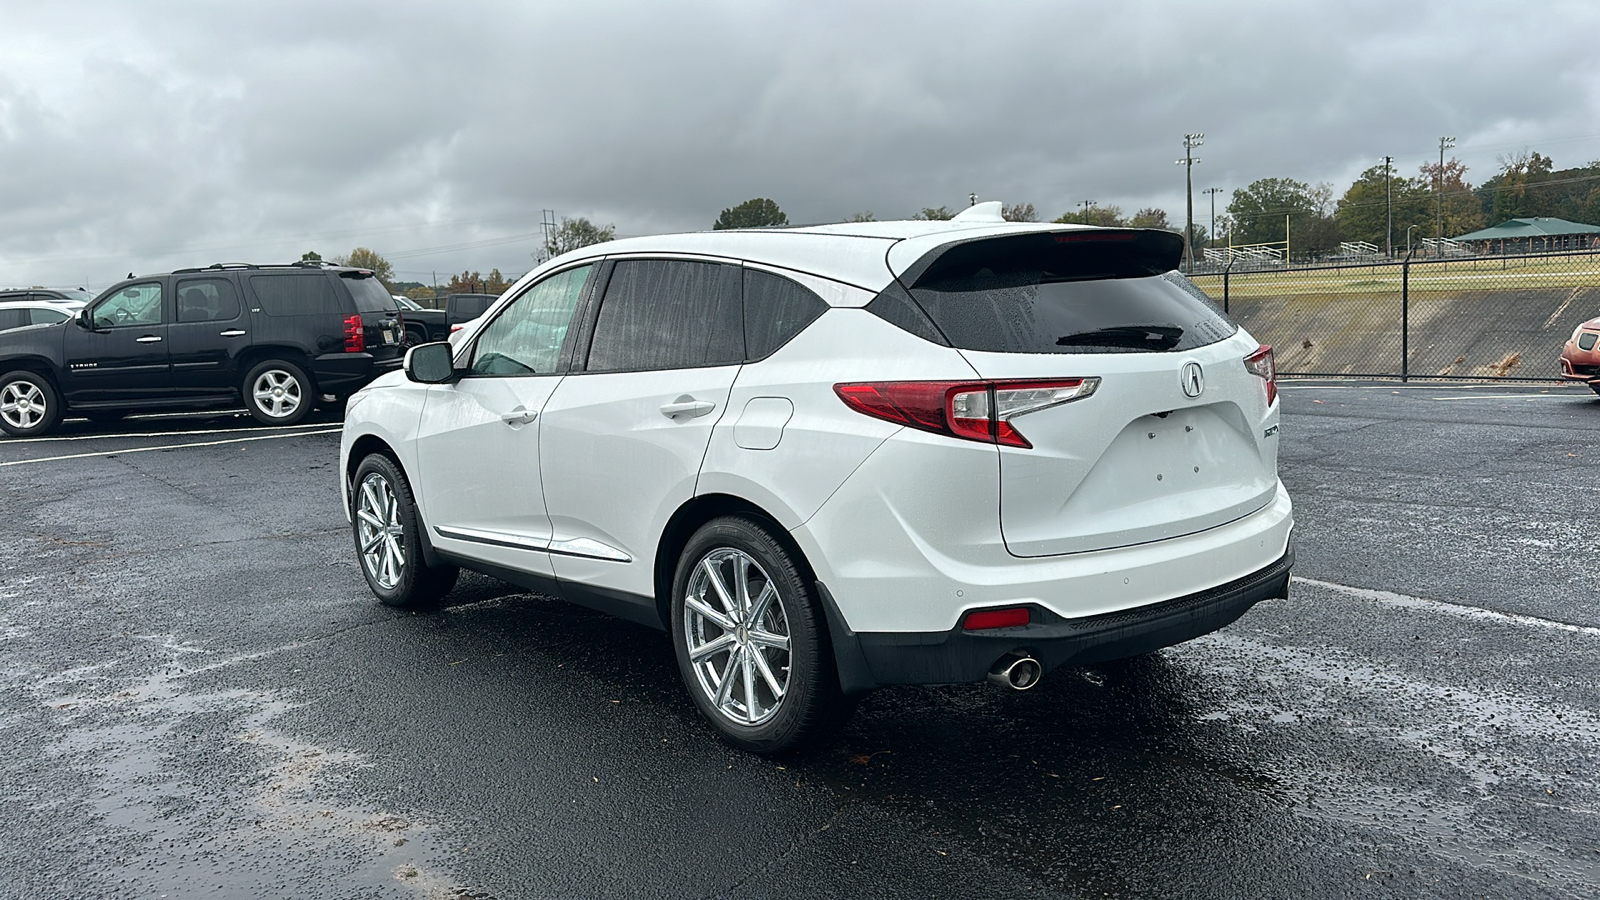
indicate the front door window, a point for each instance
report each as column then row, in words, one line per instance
column 134, row 305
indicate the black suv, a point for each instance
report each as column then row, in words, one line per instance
column 277, row 337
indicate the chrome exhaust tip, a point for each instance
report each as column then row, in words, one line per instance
column 1016, row 671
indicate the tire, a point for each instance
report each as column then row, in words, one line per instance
column 29, row 404
column 278, row 392
column 414, row 337
column 800, row 700
column 384, row 523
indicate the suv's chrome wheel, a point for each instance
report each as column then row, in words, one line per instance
column 737, row 636
column 22, row 405
column 379, row 531
column 278, row 393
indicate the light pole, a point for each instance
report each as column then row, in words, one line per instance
column 1388, row 207
column 1212, row 234
column 1408, row 239
column 1086, row 205
column 1438, row 178
column 1190, row 141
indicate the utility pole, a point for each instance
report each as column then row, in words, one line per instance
column 1388, row 206
column 972, row 199
column 1212, row 234
column 1438, row 178
column 1190, row 141
column 1086, row 205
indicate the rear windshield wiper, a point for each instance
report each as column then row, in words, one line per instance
column 1136, row 337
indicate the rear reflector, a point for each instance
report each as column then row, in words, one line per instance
column 1261, row 365
column 971, row 410
column 996, row 618
column 355, row 337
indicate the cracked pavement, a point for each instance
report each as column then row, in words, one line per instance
column 203, row 699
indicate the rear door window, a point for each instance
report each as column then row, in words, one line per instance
column 775, row 310
column 668, row 314
column 295, row 295
column 207, row 300
column 1073, row 292
column 49, row 316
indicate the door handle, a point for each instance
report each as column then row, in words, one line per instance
column 232, row 332
column 149, row 339
column 519, row 416
column 687, row 406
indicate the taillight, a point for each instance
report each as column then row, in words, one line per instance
column 971, row 410
column 355, row 337
column 1261, row 365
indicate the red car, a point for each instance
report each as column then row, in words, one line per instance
column 1580, row 358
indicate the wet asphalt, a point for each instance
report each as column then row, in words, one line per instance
column 201, row 698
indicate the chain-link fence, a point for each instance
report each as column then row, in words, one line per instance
column 1467, row 317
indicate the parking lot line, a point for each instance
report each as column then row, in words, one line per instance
column 259, row 437
column 1513, row 397
column 1402, row 601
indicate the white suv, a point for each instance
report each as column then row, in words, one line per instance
column 828, row 459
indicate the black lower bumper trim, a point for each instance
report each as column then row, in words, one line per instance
column 871, row 659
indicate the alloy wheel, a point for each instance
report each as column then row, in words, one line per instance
column 378, row 528
column 737, row 636
column 277, row 393
column 22, row 404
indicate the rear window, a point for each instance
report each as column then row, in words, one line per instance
column 1073, row 292
column 368, row 292
column 295, row 295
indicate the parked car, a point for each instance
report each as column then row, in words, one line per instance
column 1580, row 359
column 465, row 307
column 277, row 338
column 23, row 313
column 423, row 325
column 78, row 296
column 832, row 458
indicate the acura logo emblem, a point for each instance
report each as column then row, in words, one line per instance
column 1193, row 379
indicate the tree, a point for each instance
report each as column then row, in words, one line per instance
column 1258, row 213
column 755, row 213
column 934, row 214
column 311, row 256
column 860, row 217
column 362, row 258
column 1528, row 184
column 1462, row 211
column 1150, row 217
column 1363, row 213
column 574, row 233
column 1021, row 212
column 1104, row 216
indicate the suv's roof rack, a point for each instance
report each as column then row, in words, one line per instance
column 215, row 267
column 311, row 264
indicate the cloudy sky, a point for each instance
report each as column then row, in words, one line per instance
column 147, row 136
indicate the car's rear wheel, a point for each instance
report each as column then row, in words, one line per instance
column 278, row 392
column 388, row 543
column 29, row 404
column 751, row 639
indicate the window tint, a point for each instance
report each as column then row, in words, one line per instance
column 49, row 316
column 526, row 338
column 13, row 318
column 136, row 304
column 775, row 310
column 1078, row 292
column 666, row 314
column 368, row 292
column 294, row 295
column 207, row 300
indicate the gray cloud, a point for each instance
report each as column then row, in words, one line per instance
column 144, row 137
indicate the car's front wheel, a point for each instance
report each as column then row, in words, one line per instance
column 29, row 404
column 388, row 543
column 278, row 392
column 751, row 639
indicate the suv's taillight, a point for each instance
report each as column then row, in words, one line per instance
column 1261, row 365
column 972, row 410
column 355, row 337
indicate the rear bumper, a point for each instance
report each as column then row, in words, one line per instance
column 871, row 659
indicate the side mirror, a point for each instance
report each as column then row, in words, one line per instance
column 85, row 319
column 431, row 363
